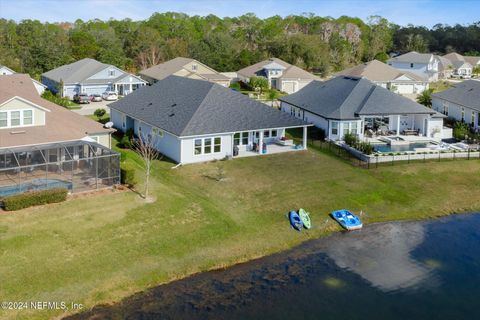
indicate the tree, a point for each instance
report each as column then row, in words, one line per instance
column 258, row 83
column 145, row 147
column 425, row 98
column 476, row 70
column 273, row 96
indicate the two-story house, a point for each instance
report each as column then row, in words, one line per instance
column 461, row 66
column 280, row 74
column 422, row 64
column 43, row 145
column 91, row 77
column 184, row 67
column 40, row 87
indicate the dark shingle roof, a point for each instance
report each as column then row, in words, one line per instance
column 187, row 107
column 466, row 93
column 347, row 98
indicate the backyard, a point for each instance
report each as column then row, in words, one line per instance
column 103, row 247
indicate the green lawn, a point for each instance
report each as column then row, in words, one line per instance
column 102, row 248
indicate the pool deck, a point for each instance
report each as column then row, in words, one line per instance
column 376, row 140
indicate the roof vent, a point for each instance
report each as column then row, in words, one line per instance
column 174, row 105
column 171, row 115
column 150, row 103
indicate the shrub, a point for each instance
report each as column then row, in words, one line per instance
column 127, row 174
column 461, row 131
column 350, row 139
column 99, row 113
column 48, row 95
column 34, row 198
column 126, row 142
column 365, row 147
column 235, row 86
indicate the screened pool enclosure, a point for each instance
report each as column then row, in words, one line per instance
column 77, row 166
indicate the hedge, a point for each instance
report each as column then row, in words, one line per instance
column 127, row 174
column 34, row 198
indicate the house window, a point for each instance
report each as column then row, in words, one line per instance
column 124, row 120
column 27, row 117
column 15, row 118
column 240, row 138
column 194, row 67
column 274, row 133
column 111, row 72
column 334, row 128
column 463, row 114
column 445, row 109
column 217, row 143
column 473, row 119
column 345, row 127
column 157, row 132
column 198, row 146
column 208, row 146
column 266, row 134
column 411, row 65
column 353, row 128
column 3, row 120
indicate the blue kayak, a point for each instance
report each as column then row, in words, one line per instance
column 347, row 219
column 295, row 220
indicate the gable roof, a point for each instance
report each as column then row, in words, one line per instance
column 60, row 124
column 290, row 72
column 163, row 70
column 472, row 60
column 466, row 93
column 443, row 63
column 412, row 57
column 188, row 107
column 377, row 71
column 453, row 56
column 345, row 98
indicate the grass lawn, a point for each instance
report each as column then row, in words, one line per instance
column 105, row 247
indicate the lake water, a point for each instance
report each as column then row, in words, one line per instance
column 400, row 270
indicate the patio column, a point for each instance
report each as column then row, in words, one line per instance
column 398, row 125
column 130, row 88
column 304, row 141
column 260, row 142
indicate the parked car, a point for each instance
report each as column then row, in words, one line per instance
column 81, row 98
column 95, row 97
column 110, row 95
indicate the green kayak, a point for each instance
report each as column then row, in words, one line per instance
column 305, row 218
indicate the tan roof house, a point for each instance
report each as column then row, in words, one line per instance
column 184, row 67
column 395, row 80
column 43, row 145
column 462, row 65
column 280, row 74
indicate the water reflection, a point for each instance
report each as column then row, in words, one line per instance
column 382, row 255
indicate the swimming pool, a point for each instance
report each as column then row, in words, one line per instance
column 37, row 184
column 386, row 148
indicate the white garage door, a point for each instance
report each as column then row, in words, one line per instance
column 405, row 88
column 288, row 87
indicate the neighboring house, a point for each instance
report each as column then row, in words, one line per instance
column 43, row 145
column 91, row 77
column 461, row 67
column 40, row 87
column 403, row 82
column 422, row 64
column 350, row 105
column 194, row 121
column 280, row 74
column 445, row 67
column 184, row 67
column 461, row 102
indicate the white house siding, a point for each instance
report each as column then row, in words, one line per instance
column 422, row 69
column 291, row 85
column 405, row 88
column 455, row 111
column 189, row 156
column 105, row 139
column 40, row 89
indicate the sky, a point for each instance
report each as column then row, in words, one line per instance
column 402, row 12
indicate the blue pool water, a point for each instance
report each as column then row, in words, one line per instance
column 37, row 184
column 385, row 148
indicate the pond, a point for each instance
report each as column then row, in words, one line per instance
column 399, row 270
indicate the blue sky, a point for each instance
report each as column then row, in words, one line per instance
column 403, row 12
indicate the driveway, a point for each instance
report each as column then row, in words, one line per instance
column 88, row 109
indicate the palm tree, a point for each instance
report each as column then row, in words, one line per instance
column 425, row 98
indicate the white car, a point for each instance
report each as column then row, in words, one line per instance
column 110, row 95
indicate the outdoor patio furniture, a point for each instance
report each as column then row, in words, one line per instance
column 286, row 142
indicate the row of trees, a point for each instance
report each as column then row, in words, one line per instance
column 318, row 44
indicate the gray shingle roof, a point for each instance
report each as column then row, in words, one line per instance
column 378, row 71
column 290, row 72
column 188, row 107
column 76, row 72
column 345, row 98
column 412, row 56
column 466, row 93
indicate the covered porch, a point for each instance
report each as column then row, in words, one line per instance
column 400, row 124
column 269, row 141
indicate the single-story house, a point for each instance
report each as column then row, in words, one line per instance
column 91, row 77
column 43, row 145
column 184, row 67
column 461, row 102
column 40, row 87
column 280, row 74
column 356, row 105
column 423, row 64
column 445, row 67
column 403, row 82
column 461, row 67
column 192, row 120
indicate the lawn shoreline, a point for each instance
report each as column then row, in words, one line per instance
column 253, row 258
